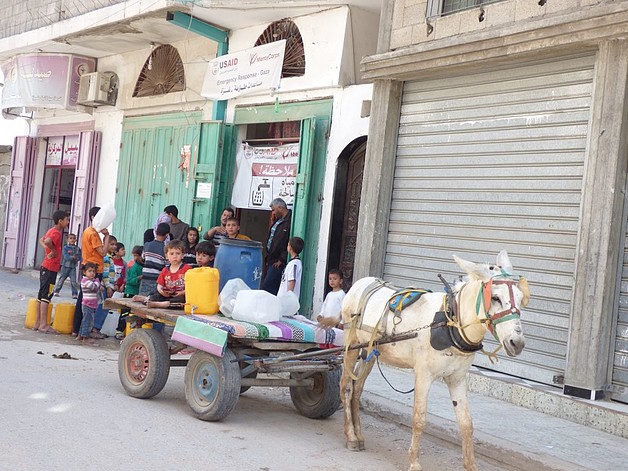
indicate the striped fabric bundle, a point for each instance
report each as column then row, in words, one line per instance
column 293, row 329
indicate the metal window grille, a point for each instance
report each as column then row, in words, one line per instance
column 443, row 7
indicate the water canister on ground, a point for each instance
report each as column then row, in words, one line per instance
column 31, row 313
column 201, row 290
column 64, row 317
column 239, row 259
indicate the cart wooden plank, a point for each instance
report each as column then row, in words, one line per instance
column 167, row 316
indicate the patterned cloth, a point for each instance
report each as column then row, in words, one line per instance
column 294, row 329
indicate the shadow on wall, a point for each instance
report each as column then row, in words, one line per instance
column 5, row 171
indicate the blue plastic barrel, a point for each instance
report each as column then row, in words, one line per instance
column 239, row 259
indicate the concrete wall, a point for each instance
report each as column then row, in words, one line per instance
column 410, row 25
column 20, row 16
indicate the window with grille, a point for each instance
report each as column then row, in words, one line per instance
column 294, row 58
column 162, row 73
column 442, row 7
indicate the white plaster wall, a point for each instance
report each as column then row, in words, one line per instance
column 324, row 41
column 347, row 125
column 109, row 122
column 195, row 53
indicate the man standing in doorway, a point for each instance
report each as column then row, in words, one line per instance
column 277, row 245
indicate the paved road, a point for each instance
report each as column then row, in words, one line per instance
column 71, row 414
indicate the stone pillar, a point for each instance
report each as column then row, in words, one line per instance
column 379, row 165
column 591, row 336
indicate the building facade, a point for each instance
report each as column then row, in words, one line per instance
column 502, row 125
column 159, row 141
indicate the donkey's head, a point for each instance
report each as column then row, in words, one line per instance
column 499, row 300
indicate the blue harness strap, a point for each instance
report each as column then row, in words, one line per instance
column 404, row 298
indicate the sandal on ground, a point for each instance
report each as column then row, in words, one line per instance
column 97, row 335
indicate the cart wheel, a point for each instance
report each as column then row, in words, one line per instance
column 143, row 363
column 323, row 399
column 252, row 374
column 212, row 385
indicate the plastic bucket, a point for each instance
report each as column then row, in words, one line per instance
column 239, row 259
column 201, row 290
column 64, row 317
column 31, row 313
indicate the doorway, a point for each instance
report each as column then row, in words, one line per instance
column 346, row 210
column 57, row 190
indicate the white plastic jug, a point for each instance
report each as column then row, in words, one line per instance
column 110, row 324
column 255, row 305
column 104, row 217
column 228, row 295
column 289, row 304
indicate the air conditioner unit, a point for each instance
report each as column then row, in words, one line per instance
column 98, row 88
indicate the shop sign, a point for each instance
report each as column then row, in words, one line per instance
column 35, row 81
column 264, row 173
column 245, row 72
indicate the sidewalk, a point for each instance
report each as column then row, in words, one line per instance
column 537, row 437
column 520, row 437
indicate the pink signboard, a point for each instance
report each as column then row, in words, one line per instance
column 33, row 81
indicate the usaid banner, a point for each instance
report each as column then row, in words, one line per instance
column 264, row 173
column 249, row 71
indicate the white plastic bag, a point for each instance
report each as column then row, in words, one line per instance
column 255, row 305
column 110, row 324
column 289, row 304
column 227, row 297
column 104, row 217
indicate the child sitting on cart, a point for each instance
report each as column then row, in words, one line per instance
column 171, row 280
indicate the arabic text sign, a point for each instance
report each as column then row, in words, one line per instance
column 264, row 173
column 43, row 80
column 253, row 70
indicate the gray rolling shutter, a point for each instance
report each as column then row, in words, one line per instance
column 619, row 378
column 491, row 161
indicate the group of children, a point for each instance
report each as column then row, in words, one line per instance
column 156, row 274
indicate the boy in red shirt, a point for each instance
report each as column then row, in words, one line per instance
column 52, row 243
column 171, row 281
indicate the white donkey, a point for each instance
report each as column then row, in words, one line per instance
column 449, row 330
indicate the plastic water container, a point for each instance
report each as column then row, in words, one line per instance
column 31, row 313
column 201, row 290
column 252, row 305
column 63, row 318
column 239, row 259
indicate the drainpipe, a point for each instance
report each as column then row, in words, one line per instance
column 220, row 36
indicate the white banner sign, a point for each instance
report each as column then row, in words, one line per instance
column 263, row 174
column 250, row 71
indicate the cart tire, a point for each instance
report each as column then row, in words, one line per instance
column 212, row 385
column 143, row 363
column 252, row 374
column 323, row 399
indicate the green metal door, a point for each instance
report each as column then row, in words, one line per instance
column 149, row 174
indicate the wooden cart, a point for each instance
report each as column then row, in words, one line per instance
column 212, row 383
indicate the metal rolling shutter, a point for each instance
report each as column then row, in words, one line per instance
column 491, row 161
column 619, row 379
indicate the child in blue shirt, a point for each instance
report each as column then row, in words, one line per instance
column 71, row 256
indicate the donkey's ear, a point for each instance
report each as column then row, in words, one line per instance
column 504, row 262
column 475, row 271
